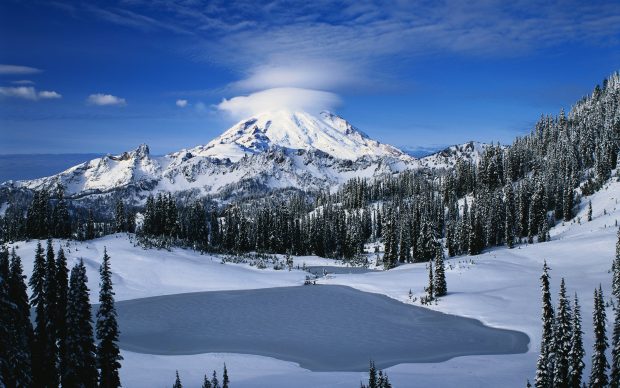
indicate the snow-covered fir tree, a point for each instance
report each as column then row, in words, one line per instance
column 598, row 374
column 545, row 364
column 576, row 354
column 562, row 339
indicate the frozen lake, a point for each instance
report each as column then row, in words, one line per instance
column 323, row 328
column 330, row 269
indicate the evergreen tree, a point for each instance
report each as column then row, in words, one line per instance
column 19, row 361
column 81, row 370
column 40, row 358
column 51, row 297
column 598, row 374
column 60, row 313
column 589, row 211
column 7, row 312
column 177, row 381
column 430, row 289
column 615, row 285
column 562, row 339
column 509, row 212
column 108, row 354
column 225, row 380
column 61, row 218
column 214, row 381
column 120, row 219
column 577, row 352
column 441, row 288
column 544, row 366
column 372, row 376
column 614, row 380
column 206, row 383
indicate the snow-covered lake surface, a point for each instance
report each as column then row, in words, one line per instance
column 320, row 270
column 322, row 328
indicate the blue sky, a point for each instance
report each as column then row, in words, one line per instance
column 105, row 76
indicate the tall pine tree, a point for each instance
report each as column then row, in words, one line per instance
column 81, row 370
column 544, row 367
column 577, row 352
column 108, row 354
column 598, row 374
column 562, row 339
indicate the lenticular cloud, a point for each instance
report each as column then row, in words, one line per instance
column 294, row 99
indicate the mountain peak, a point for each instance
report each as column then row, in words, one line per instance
column 325, row 132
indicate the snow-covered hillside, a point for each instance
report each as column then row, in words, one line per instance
column 500, row 287
column 273, row 150
column 296, row 130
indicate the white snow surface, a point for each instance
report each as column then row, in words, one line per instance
column 326, row 132
column 501, row 288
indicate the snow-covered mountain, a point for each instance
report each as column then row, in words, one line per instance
column 295, row 130
column 274, row 150
column 471, row 151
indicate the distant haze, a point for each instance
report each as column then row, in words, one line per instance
column 31, row 166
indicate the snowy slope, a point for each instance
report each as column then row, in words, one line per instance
column 296, row 130
column 273, row 150
column 500, row 288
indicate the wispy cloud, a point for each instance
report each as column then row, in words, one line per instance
column 181, row 103
column 49, row 94
column 23, row 82
column 28, row 93
column 105, row 100
column 18, row 70
column 312, row 45
column 279, row 98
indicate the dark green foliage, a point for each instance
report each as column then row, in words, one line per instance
column 42, row 340
column 598, row 374
column 20, row 327
column 376, row 379
column 81, row 370
column 177, row 381
column 108, row 354
column 441, row 287
column 225, row 379
column 60, row 313
column 544, row 366
column 214, row 381
column 562, row 339
column 577, row 352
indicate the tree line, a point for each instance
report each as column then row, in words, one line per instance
column 59, row 348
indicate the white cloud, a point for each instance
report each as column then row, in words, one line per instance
column 25, row 92
column 16, row 69
column 279, row 98
column 23, row 82
column 49, row 94
column 105, row 100
column 181, row 103
column 322, row 75
column 28, row 93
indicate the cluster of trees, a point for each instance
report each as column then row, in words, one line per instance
column 50, row 215
column 213, row 382
column 376, row 378
column 560, row 363
column 60, row 349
